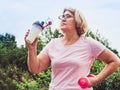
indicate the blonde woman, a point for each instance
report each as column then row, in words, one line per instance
column 71, row 56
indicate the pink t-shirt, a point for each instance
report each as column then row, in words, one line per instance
column 70, row 62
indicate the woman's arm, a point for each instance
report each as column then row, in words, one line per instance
column 36, row 63
column 112, row 61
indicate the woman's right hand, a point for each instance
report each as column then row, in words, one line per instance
column 29, row 45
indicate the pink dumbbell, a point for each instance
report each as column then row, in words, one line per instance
column 84, row 81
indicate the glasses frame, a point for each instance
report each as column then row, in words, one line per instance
column 67, row 16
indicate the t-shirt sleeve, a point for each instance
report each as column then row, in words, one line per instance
column 47, row 47
column 96, row 47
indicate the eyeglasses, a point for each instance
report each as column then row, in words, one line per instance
column 64, row 16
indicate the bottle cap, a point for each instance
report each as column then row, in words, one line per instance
column 38, row 23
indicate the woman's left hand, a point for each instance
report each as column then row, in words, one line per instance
column 92, row 81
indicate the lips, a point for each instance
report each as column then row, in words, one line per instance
column 62, row 24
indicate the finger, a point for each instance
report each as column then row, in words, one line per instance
column 26, row 34
column 36, row 41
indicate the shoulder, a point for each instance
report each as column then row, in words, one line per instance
column 54, row 41
column 91, row 40
column 93, row 44
column 87, row 39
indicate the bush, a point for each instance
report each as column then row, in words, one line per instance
column 14, row 74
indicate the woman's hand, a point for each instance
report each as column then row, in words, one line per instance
column 29, row 45
column 92, row 81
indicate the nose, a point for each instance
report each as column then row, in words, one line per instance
column 63, row 19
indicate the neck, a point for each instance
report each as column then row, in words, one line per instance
column 70, row 39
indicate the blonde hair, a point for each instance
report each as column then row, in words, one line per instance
column 81, row 25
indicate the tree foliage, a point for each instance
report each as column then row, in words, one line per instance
column 14, row 74
column 8, row 41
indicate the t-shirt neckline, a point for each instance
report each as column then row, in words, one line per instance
column 70, row 44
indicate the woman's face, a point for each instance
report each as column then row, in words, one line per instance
column 67, row 21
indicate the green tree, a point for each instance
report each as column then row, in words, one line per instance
column 14, row 74
column 8, row 41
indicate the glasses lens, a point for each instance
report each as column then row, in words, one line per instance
column 68, row 16
column 61, row 17
column 64, row 16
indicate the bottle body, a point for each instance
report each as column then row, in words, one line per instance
column 34, row 33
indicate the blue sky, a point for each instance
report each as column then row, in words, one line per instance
column 16, row 16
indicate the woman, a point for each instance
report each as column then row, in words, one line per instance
column 71, row 56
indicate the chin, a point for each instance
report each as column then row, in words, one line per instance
column 63, row 28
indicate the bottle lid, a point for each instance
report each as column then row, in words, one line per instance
column 38, row 23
